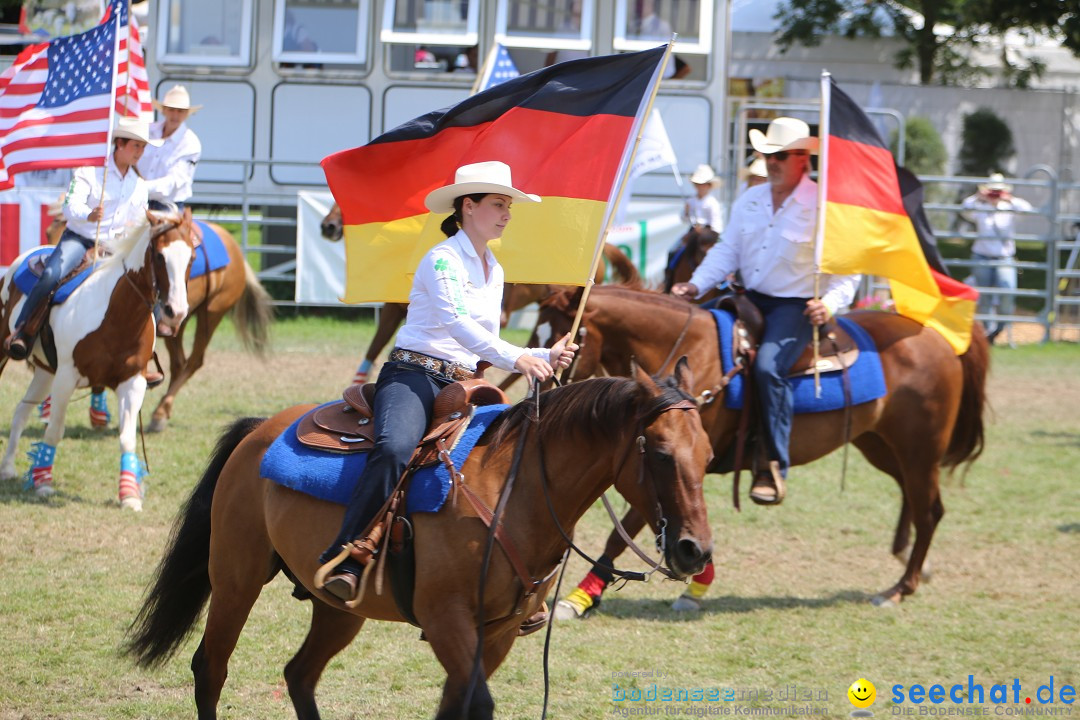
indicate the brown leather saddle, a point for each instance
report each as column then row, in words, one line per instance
column 836, row 349
column 347, row 425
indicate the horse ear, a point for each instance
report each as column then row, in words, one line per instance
column 641, row 377
column 684, row 376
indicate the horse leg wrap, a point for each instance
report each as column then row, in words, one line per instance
column 700, row 583
column 39, row 477
column 132, row 473
column 45, row 409
column 99, row 410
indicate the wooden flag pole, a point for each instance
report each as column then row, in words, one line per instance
column 109, row 135
column 483, row 69
column 598, row 251
column 819, row 234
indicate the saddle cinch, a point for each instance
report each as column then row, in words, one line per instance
column 347, row 426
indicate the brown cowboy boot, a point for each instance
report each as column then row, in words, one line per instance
column 537, row 621
column 769, row 487
column 17, row 345
column 344, row 584
column 154, row 377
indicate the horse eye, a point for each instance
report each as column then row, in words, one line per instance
column 664, row 457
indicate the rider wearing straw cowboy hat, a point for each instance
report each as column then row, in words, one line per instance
column 769, row 240
column 169, row 170
column 95, row 207
column 452, row 324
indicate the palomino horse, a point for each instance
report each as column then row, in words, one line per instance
column 238, row 530
column 931, row 416
column 103, row 336
column 211, row 296
column 515, row 296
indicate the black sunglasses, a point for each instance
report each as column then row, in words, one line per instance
column 783, row 154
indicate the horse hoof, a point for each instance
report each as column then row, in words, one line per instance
column 45, row 491
column 566, row 611
column 157, row 424
column 882, row 601
column 685, row 603
column 131, row 503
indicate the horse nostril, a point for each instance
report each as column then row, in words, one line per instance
column 169, row 311
column 689, row 552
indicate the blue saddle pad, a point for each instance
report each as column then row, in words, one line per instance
column 332, row 476
column 211, row 254
column 25, row 280
column 867, row 379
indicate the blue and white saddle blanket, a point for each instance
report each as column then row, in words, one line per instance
column 332, row 476
column 211, row 254
column 866, row 376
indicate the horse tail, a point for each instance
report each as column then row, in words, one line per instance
column 253, row 314
column 623, row 267
column 181, row 585
column 968, row 438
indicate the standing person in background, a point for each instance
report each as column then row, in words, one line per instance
column 169, row 167
column 770, row 241
column 992, row 211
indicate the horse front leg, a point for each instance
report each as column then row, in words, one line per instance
column 130, row 394
column 37, row 391
column 331, row 631
column 175, row 346
column 453, row 639
column 586, row 596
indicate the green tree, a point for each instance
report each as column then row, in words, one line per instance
column 924, row 152
column 944, row 58
column 986, row 143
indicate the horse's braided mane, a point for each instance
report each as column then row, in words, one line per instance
column 606, row 403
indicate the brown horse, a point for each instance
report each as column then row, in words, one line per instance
column 931, row 416
column 515, row 296
column 232, row 288
column 238, row 530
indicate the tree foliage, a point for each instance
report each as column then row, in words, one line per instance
column 924, row 151
column 943, row 58
column 986, row 145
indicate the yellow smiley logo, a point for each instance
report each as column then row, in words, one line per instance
column 862, row 693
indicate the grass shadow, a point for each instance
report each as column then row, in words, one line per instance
column 653, row 609
column 13, row 492
column 1069, row 527
column 1058, row 438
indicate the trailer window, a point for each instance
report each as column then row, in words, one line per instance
column 321, row 32
column 431, row 22
column 205, row 32
column 548, row 24
column 644, row 24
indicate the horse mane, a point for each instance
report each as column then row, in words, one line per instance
column 566, row 301
column 133, row 235
column 591, row 408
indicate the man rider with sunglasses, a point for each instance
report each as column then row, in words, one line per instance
column 769, row 241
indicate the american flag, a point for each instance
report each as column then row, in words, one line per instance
column 133, row 85
column 498, row 69
column 55, row 104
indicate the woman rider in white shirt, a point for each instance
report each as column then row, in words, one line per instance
column 90, row 198
column 453, row 323
column 169, row 168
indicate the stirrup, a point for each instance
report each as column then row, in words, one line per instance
column 769, row 487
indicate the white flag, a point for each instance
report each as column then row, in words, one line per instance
column 654, row 151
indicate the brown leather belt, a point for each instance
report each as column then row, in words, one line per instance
column 450, row 370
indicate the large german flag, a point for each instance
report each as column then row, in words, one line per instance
column 874, row 222
column 566, row 132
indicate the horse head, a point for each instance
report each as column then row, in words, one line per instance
column 332, row 225
column 665, row 481
column 173, row 248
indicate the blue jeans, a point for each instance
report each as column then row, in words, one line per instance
column 787, row 331
column 404, row 397
column 996, row 276
column 65, row 257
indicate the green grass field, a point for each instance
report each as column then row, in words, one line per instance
column 790, row 605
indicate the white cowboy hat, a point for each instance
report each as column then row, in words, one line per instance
column 704, row 175
column 757, row 168
column 784, row 133
column 135, row 129
column 996, row 182
column 177, row 98
column 483, row 177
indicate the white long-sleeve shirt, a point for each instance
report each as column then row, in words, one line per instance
column 994, row 221
column 454, row 312
column 169, row 170
column 774, row 251
column 705, row 211
column 125, row 202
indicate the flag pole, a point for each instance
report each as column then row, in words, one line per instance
column 108, row 135
column 484, row 68
column 598, row 251
column 822, row 188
